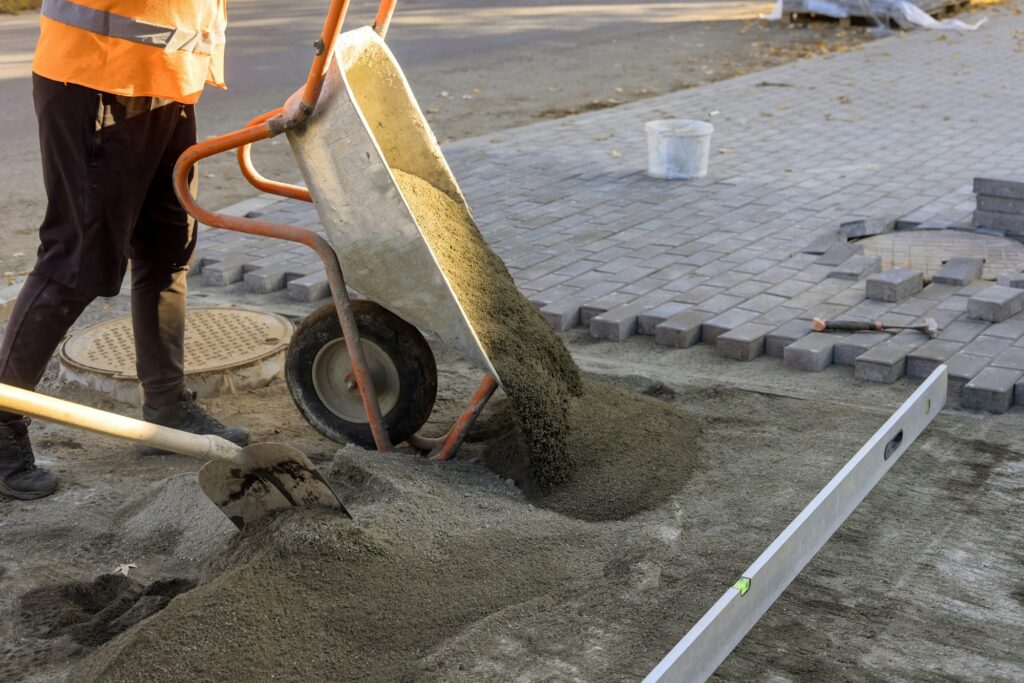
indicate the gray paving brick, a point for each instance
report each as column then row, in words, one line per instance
column 652, row 317
column 1008, row 329
column 1012, row 357
column 895, row 284
column 724, row 322
column 962, row 330
column 857, row 267
column 762, row 303
column 744, row 343
column 822, row 243
column 778, row 315
column 266, row 280
column 224, row 272
column 562, row 315
column 1000, row 188
column 959, row 270
column 682, row 330
column 996, row 304
column 962, row 368
column 839, row 253
column 1010, row 222
column 887, row 362
column 812, row 353
column 310, row 287
column 987, row 345
column 992, row 390
column 597, row 306
column 852, row 346
column 930, row 355
column 1000, row 204
column 617, row 323
column 1015, row 280
column 864, row 227
column 781, row 337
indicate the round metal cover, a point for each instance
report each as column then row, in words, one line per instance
column 926, row 250
column 216, row 340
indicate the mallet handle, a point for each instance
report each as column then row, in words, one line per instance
column 203, row 447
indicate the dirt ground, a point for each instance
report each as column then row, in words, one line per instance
column 448, row 572
column 468, row 94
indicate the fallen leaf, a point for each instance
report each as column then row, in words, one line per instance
column 123, row 569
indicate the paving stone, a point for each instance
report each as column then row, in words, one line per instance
column 1008, row 329
column 865, row 227
column 778, row 315
column 266, row 280
column 1009, row 205
column 851, row 346
column 996, row 304
column 225, row 272
column 962, row 330
column 857, row 267
column 992, row 390
column 649, row 319
column 930, row 355
column 745, row 342
column 895, row 284
column 562, row 315
column 839, row 253
column 1012, row 358
column 1010, row 222
column 762, row 303
column 310, row 287
column 999, row 188
column 959, row 270
column 812, row 353
column 937, row 291
column 1018, row 393
column 601, row 304
column 962, row 368
column 682, row 330
column 887, row 362
column 822, row 243
column 987, row 345
column 724, row 322
column 617, row 323
column 1015, row 280
column 777, row 340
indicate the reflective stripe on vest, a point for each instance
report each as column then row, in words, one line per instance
column 115, row 26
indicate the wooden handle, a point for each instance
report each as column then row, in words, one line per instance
column 204, row 447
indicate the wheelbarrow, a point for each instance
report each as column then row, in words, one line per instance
column 360, row 370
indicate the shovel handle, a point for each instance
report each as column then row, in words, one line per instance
column 203, row 447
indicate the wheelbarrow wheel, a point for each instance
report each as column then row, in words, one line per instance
column 318, row 371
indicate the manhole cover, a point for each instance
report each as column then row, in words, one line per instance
column 225, row 349
column 926, row 250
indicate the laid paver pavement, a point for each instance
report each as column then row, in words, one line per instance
column 898, row 128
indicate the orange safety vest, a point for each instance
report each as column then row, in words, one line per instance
column 151, row 48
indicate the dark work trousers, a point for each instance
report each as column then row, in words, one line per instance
column 107, row 170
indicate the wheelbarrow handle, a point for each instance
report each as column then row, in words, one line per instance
column 203, row 447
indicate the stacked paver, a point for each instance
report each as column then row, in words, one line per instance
column 1000, row 206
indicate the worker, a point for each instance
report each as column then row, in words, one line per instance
column 114, row 84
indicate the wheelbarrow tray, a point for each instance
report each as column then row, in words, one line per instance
column 366, row 122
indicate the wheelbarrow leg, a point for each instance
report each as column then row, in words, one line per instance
column 350, row 330
column 444, row 447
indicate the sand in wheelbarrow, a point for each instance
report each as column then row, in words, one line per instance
column 535, row 368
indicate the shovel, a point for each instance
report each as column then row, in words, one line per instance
column 246, row 483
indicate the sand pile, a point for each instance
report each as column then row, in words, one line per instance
column 311, row 592
column 537, row 371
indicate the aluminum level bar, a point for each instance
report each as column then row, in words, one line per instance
column 721, row 629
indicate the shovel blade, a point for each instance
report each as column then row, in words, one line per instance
column 273, row 477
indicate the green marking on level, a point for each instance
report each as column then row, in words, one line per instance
column 743, row 585
column 927, row 406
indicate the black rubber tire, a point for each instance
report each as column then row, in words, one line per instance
column 403, row 344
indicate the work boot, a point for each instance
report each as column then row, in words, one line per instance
column 19, row 476
column 189, row 416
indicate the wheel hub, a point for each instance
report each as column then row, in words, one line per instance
column 335, row 383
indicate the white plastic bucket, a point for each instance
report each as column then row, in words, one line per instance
column 678, row 149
